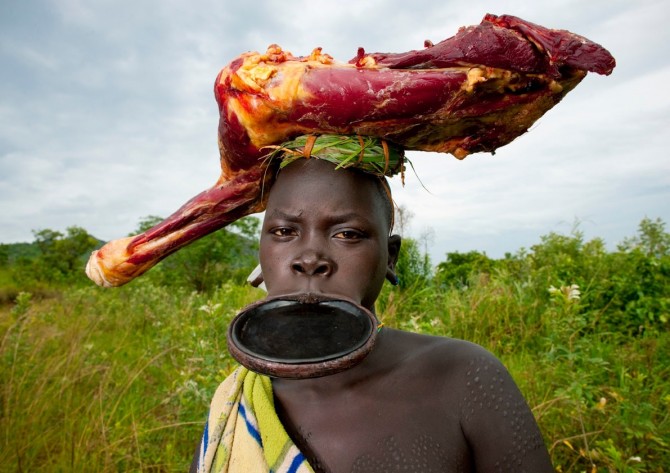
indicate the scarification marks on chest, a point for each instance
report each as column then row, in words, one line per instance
column 422, row 455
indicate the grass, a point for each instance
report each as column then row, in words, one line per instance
column 111, row 380
column 120, row 380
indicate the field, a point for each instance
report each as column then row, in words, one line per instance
column 120, row 380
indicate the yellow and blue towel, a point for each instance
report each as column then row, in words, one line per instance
column 243, row 433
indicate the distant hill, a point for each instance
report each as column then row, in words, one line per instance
column 12, row 252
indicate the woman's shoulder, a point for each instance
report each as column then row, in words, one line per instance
column 450, row 362
column 442, row 351
column 460, row 380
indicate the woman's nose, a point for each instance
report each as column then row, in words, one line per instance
column 311, row 263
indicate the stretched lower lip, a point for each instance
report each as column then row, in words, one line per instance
column 311, row 294
column 309, row 297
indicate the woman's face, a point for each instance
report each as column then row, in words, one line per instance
column 325, row 232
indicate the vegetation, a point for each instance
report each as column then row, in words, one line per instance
column 120, row 380
column 227, row 255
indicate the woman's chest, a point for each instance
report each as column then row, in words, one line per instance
column 377, row 434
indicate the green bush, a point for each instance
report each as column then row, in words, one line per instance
column 456, row 270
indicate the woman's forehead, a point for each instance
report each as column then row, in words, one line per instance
column 318, row 183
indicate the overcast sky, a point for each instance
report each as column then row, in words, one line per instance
column 107, row 114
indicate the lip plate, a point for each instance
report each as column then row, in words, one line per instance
column 301, row 336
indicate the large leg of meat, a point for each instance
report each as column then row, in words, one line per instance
column 473, row 92
column 122, row 260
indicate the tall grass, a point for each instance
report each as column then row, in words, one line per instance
column 111, row 380
column 100, row 380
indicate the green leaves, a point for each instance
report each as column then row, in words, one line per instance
column 369, row 154
column 55, row 257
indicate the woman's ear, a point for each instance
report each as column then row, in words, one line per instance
column 394, row 251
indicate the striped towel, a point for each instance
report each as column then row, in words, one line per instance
column 243, row 433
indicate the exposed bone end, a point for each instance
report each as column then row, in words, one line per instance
column 120, row 261
column 109, row 266
column 94, row 271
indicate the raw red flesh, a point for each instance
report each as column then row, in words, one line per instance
column 505, row 42
column 474, row 92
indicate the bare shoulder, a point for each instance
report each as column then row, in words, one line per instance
column 444, row 355
column 474, row 387
column 463, row 377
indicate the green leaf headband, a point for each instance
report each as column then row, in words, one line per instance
column 373, row 155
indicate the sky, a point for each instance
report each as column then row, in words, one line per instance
column 107, row 115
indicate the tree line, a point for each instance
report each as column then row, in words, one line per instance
column 55, row 259
column 630, row 286
column 627, row 290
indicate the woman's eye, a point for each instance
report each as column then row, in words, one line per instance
column 349, row 235
column 282, row 231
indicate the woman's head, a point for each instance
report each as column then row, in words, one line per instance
column 327, row 231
